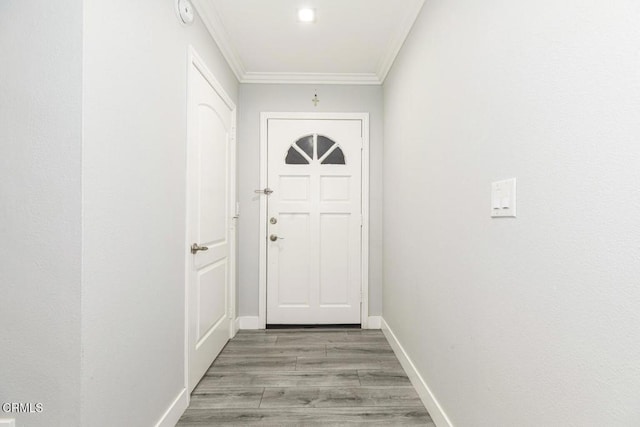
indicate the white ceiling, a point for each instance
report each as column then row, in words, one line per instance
column 351, row 42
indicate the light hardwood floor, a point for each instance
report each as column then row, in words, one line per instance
column 304, row 378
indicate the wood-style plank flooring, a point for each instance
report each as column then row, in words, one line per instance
column 308, row 377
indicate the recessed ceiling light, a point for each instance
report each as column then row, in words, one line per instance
column 307, row 15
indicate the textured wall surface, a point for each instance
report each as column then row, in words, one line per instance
column 255, row 99
column 40, row 197
column 134, row 160
column 535, row 320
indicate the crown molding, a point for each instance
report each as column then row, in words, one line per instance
column 214, row 25
column 396, row 44
column 312, row 78
column 212, row 21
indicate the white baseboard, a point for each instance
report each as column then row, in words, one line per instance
column 374, row 322
column 248, row 322
column 430, row 402
column 5, row 422
column 175, row 411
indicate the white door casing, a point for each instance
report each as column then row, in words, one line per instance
column 210, row 298
column 315, row 269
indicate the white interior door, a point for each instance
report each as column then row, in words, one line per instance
column 314, row 221
column 209, row 224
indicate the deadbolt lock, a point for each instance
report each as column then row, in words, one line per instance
column 273, row 220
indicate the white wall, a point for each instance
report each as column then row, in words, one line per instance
column 40, row 196
column 255, row 99
column 533, row 321
column 135, row 79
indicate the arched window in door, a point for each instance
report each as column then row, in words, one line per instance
column 315, row 149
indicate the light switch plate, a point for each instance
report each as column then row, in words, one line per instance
column 503, row 198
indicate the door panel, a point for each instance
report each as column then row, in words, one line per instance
column 314, row 262
column 211, row 297
column 335, row 188
column 209, row 203
column 213, row 169
column 334, row 259
column 294, row 258
column 294, row 188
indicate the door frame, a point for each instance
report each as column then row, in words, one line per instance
column 194, row 60
column 364, row 255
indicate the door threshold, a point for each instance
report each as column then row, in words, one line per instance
column 333, row 326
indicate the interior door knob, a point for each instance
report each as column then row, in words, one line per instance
column 266, row 191
column 195, row 248
column 273, row 238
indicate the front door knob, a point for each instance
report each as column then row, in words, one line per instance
column 195, row 248
column 273, row 238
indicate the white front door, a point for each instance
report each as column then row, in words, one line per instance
column 314, row 221
column 209, row 220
